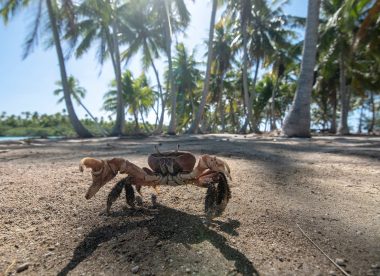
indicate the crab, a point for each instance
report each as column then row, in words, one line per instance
column 173, row 168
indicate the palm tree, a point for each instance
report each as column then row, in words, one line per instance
column 186, row 76
column 241, row 13
column 283, row 63
column 171, row 17
column 260, row 32
column 195, row 125
column 146, row 36
column 297, row 121
column 339, row 40
column 346, row 25
column 10, row 7
column 245, row 14
column 325, row 92
column 111, row 98
column 365, row 70
column 137, row 95
column 143, row 94
column 222, row 62
column 100, row 20
column 264, row 88
column 78, row 93
column 79, row 128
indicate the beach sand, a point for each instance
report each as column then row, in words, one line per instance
column 329, row 186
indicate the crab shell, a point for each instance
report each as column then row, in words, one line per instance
column 181, row 161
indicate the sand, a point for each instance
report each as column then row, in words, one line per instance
column 329, row 186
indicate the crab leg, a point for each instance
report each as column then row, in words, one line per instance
column 127, row 184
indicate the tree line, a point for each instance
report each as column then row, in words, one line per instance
column 258, row 75
column 35, row 124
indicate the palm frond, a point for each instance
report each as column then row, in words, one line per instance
column 32, row 37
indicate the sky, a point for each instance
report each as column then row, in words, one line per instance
column 28, row 85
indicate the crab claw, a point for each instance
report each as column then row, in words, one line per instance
column 215, row 164
column 102, row 172
column 92, row 163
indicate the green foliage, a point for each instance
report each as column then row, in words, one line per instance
column 58, row 125
column 138, row 96
column 36, row 125
column 349, row 30
column 186, row 79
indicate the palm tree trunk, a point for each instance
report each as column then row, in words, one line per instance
column 248, row 106
column 325, row 109
column 161, row 121
column 193, row 109
column 136, row 117
column 173, row 112
column 232, row 116
column 361, row 115
column 168, row 37
column 253, row 96
column 143, row 121
column 221, row 104
column 77, row 125
column 195, row 125
column 297, row 121
column 344, row 98
column 244, row 127
column 333, row 119
column 102, row 130
column 272, row 110
column 266, row 121
column 118, row 128
column 373, row 111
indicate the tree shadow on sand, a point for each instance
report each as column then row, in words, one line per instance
column 166, row 225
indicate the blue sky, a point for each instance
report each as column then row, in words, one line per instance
column 28, row 85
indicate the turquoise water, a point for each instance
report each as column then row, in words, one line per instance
column 13, row 138
column 18, row 138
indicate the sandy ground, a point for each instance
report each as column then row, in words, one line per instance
column 329, row 186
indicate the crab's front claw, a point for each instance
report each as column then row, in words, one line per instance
column 218, row 194
column 215, row 164
column 102, row 172
column 91, row 163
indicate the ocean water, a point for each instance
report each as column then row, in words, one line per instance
column 13, row 138
column 18, row 138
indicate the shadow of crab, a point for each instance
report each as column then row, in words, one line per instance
column 217, row 196
column 163, row 242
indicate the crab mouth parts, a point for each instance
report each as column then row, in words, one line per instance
column 167, row 166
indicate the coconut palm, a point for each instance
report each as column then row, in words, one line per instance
column 144, row 96
column 335, row 45
column 241, row 13
column 221, row 63
column 137, row 95
column 186, row 76
column 171, row 17
column 260, row 32
column 284, row 63
column 367, row 66
column 346, row 25
column 10, row 7
column 195, row 125
column 297, row 121
column 100, row 21
column 147, row 37
column 78, row 93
